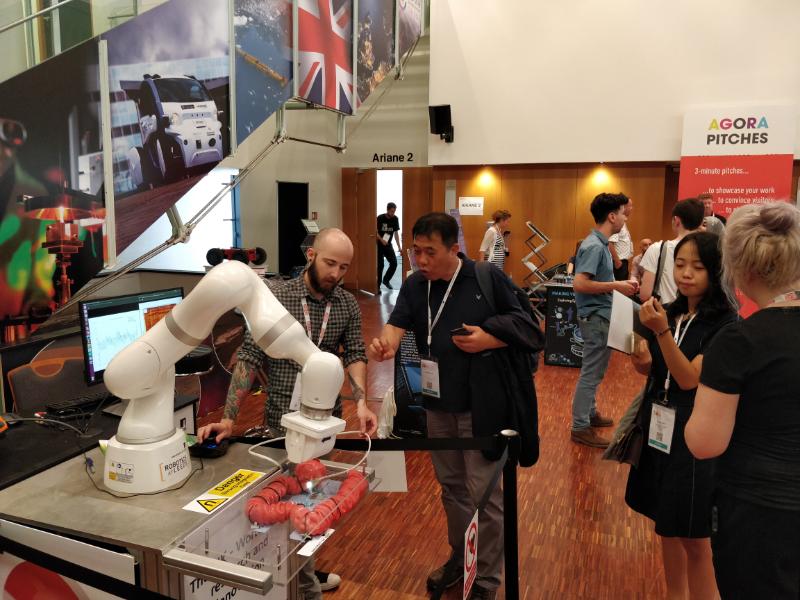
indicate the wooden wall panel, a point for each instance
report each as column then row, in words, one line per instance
column 471, row 181
column 671, row 177
column 644, row 184
column 546, row 197
column 417, row 201
column 556, row 199
column 366, row 230
column 350, row 222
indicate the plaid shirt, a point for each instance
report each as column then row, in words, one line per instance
column 343, row 330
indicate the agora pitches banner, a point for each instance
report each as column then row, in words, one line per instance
column 740, row 155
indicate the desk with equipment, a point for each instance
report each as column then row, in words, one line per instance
column 143, row 493
column 58, row 386
column 177, row 542
column 30, row 446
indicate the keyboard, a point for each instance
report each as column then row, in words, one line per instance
column 80, row 404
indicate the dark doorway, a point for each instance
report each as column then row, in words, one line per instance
column 292, row 206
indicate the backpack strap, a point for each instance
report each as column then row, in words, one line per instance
column 659, row 271
column 484, row 276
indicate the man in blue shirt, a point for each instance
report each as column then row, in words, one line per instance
column 594, row 285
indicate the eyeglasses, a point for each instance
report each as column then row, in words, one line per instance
column 12, row 133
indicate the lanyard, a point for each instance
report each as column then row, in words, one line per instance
column 432, row 324
column 307, row 317
column 678, row 340
column 787, row 297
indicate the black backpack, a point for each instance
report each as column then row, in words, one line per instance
column 484, row 276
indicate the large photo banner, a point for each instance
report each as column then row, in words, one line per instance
column 263, row 30
column 739, row 155
column 409, row 24
column 170, row 110
column 325, row 53
column 52, row 211
column 375, row 45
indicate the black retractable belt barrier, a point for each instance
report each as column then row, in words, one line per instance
column 378, row 445
column 90, row 577
column 510, row 542
column 506, row 466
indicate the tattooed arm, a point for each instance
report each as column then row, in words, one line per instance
column 357, row 376
column 241, row 381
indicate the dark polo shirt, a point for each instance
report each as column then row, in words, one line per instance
column 467, row 305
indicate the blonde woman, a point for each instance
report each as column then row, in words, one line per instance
column 747, row 411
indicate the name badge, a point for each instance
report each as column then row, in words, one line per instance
column 294, row 403
column 662, row 426
column 430, row 377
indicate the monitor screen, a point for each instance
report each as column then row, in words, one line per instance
column 110, row 324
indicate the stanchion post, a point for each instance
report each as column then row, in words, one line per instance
column 510, row 541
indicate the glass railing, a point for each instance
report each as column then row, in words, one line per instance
column 32, row 31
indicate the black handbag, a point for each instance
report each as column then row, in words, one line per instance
column 628, row 440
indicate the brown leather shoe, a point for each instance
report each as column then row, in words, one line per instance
column 450, row 573
column 589, row 437
column 599, row 420
column 479, row 593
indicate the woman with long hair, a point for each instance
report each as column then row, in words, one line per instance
column 747, row 411
column 669, row 485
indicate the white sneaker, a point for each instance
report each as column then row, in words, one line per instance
column 328, row 581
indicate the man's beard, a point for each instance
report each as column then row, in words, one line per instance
column 317, row 285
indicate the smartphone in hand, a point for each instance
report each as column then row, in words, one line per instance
column 459, row 331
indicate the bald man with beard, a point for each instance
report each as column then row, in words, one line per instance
column 334, row 321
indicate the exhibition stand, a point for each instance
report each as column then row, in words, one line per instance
column 170, row 543
column 183, row 543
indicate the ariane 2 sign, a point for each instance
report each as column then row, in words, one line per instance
column 393, row 158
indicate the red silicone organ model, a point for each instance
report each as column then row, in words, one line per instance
column 266, row 507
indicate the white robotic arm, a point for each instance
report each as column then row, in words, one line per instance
column 148, row 453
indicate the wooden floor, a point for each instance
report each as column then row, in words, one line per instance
column 577, row 538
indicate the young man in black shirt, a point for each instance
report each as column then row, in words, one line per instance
column 453, row 324
column 388, row 228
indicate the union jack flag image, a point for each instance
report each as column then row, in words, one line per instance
column 326, row 53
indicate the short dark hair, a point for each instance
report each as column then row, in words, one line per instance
column 390, row 206
column 437, row 222
column 715, row 302
column 604, row 204
column 691, row 212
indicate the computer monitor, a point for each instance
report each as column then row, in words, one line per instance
column 110, row 324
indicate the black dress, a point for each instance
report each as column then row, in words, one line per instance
column 675, row 489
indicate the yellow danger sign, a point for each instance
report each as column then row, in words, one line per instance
column 225, row 490
column 211, row 504
column 236, row 483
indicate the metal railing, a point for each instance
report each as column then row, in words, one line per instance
column 29, row 37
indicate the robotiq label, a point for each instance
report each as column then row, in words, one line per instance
column 172, row 468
